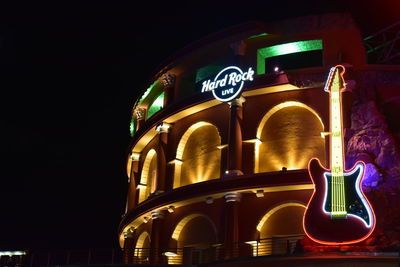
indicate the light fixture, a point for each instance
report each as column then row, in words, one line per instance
column 145, row 219
column 276, row 69
column 140, row 186
column 135, row 156
column 171, row 209
column 170, row 254
column 260, row 193
column 12, row 253
column 209, row 200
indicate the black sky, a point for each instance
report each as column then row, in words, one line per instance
column 69, row 74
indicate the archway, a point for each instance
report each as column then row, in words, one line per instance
column 198, row 157
column 142, row 248
column 194, row 237
column 148, row 178
column 280, row 228
column 289, row 136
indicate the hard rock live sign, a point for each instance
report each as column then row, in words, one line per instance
column 277, row 139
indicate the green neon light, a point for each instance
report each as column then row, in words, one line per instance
column 148, row 91
column 132, row 127
column 258, row 35
column 284, row 49
column 156, row 106
column 207, row 71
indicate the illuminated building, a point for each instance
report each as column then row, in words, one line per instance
column 211, row 180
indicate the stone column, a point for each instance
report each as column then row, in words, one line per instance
column 133, row 181
column 140, row 117
column 168, row 81
column 231, row 239
column 156, row 256
column 162, row 130
column 234, row 166
column 128, row 251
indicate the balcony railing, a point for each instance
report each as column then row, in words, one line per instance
column 285, row 245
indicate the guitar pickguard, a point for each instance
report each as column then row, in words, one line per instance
column 355, row 202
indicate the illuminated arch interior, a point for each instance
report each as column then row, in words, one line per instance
column 271, row 228
column 143, row 240
column 149, row 175
column 142, row 246
column 198, row 157
column 289, row 136
column 274, row 210
column 194, row 229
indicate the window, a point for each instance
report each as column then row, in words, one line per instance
column 288, row 56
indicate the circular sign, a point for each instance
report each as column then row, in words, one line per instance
column 229, row 83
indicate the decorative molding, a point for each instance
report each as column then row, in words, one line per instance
column 232, row 197
column 163, row 127
column 237, row 102
column 140, row 113
column 158, row 214
column 168, row 80
column 135, row 156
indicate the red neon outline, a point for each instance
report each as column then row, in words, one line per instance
column 329, row 170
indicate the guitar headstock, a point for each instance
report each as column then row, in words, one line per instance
column 335, row 81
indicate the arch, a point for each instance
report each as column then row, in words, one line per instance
column 198, row 157
column 148, row 176
column 182, row 223
column 142, row 248
column 276, row 237
column 288, row 135
column 275, row 209
column 281, row 106
column 141, row 240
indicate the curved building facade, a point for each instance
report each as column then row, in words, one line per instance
column 211, row 179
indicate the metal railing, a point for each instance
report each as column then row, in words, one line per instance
column 284, row 245
column 383, row 47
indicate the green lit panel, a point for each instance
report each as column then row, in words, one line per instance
column 148, row 91
column 207, row 71
column 156, row 106
column 258, row 35
column 132, row 127
column 284, row 49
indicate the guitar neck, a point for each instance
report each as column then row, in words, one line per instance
column 335, row 85
column 336, row 136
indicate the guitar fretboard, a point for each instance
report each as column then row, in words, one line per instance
column 338, row 200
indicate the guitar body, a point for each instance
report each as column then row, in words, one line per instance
column 318, row 223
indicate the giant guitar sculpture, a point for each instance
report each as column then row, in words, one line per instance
column 338, row 211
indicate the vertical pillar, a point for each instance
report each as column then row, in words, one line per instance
column 234, row 164
column 155, row 239
column 162, row 130
column 231, row 240
column 140, row 117
column 168, row 81
column 133, row 181
column 128, row 251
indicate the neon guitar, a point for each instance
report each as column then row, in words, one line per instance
column 338, row 211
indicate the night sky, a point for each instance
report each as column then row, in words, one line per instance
column 69, row 75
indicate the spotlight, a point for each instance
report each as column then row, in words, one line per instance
column 276, row 69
